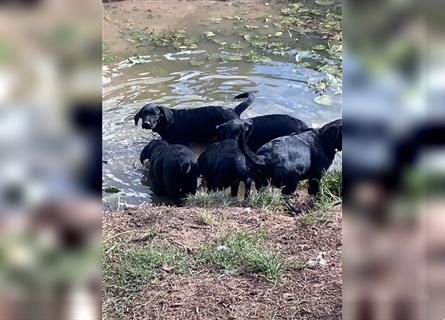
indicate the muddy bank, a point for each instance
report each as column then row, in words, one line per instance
column 309, row 288
column 159, row 16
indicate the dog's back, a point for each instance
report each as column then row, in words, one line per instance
column 268, row 127
column 173, row 171
column 217, row 163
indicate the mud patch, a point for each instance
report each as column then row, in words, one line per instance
column 310, row 287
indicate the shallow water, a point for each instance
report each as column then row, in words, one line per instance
column 173, row 79
column 168, row 79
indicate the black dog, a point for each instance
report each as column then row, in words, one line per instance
column 300, row 156
column 268, row 127
column 224, row 164
column 185, row 126
column 173, row 169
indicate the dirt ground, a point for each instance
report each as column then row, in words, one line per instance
column 306, row 293
column 160, row 16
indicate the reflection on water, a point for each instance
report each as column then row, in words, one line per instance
column 281, row 86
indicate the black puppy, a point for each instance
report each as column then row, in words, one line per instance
column 185, row 126
column 173, row 169
column 300, row 156
column 227, row 162
column 268, row 127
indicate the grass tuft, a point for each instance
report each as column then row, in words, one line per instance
column 206, row 218
column 267, row 198
column 127, row 269
column 313, row 217
column 266, row 261
column 242, row 250
column 330, row 190
column 131, row 267
column 210, row 199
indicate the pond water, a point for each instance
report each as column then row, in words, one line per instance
column 175, row 79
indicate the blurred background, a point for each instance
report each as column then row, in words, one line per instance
column 394, row 160
column 50, row 159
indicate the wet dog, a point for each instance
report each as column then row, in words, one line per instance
column 173, row 169
column 268, row 127
column 185, row 126
column 227, row 162
column 300, row 156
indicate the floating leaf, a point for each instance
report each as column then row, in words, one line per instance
column 209, row 34
column 247, row 37
column 319, row 47
column 286, row 11
column 215, row 20
column 235, row 46
column 324, row 2
column 138, row 60
column 323, row 99
column 254, row 57
column 276, row 44
column 111, row 190
column 196, row 63
column 278, row 34
column 232, row 58
column 258, row 43
column 219, row 42
column 305, row 64
column 214, row 57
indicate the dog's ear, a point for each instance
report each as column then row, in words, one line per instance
column 331, row 134
column 136, row 117
column 168, row 114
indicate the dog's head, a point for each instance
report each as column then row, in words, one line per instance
column 153, row 116
column 331, row 134
column 234, row 129
column 150, row 148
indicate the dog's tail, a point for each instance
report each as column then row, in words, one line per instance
column 246, row 103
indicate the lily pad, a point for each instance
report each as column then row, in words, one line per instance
column 247, row 37
column 276, row 44
column 258, row 43
column 111, row 190
column 138, row 59
column 215, row 20
column 319, row 47
column 323, row 99
column 196, row 63
column 324, row 2
column 232, row 58
column 208, row 34
column 254, row 57
column 305, row 64
column 235, row 46
column 219, row 42
column 214, row 57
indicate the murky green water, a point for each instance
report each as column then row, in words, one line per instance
column 191, row 78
